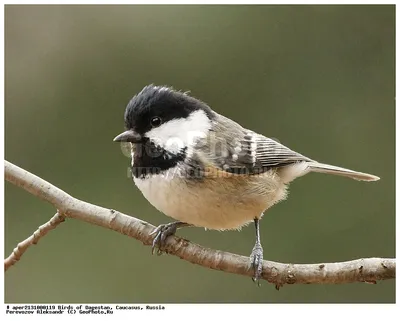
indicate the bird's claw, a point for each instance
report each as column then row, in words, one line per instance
column 256, row 262
column 161, row 233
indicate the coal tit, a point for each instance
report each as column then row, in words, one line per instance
column 204, row 169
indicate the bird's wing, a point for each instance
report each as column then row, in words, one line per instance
column 255, row 153
column 241, row 151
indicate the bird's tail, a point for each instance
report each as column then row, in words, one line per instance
column 335, row 170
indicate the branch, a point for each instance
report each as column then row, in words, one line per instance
column 362, row 270
column 33, row 239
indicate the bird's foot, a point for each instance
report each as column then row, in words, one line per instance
column 161, row 234
column 256, row 261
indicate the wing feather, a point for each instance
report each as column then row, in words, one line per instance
column 235, row 149
column 270, row 153
column 254, row 153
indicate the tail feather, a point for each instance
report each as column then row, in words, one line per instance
column 335, row 170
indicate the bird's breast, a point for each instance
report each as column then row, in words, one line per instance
column 214, row 203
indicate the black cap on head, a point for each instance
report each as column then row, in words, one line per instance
column 163, row 102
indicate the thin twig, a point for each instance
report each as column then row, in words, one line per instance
column 362, row 270
column 33, row 239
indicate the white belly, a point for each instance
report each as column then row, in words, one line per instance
column 219, row 203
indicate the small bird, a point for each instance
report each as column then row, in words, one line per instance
column 206, row 170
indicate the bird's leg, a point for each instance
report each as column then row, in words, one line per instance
column 162, row 232
column 256, row 257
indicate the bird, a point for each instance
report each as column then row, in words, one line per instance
column 206, row 170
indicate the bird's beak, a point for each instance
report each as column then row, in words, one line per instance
column 128, row 136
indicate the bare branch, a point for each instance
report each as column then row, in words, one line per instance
column 33, row 239
column 362, row 270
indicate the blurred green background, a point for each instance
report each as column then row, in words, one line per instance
column 318, row 78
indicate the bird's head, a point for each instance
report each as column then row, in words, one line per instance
column 166, row 118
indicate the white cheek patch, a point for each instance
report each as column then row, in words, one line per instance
column 180, row 133
column 173, row 144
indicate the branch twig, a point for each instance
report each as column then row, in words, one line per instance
column 33, row 239
column 362, row 270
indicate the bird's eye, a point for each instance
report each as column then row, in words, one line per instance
column 155, row 121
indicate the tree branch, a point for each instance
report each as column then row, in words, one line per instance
column 362, row 270
column 33, row 239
